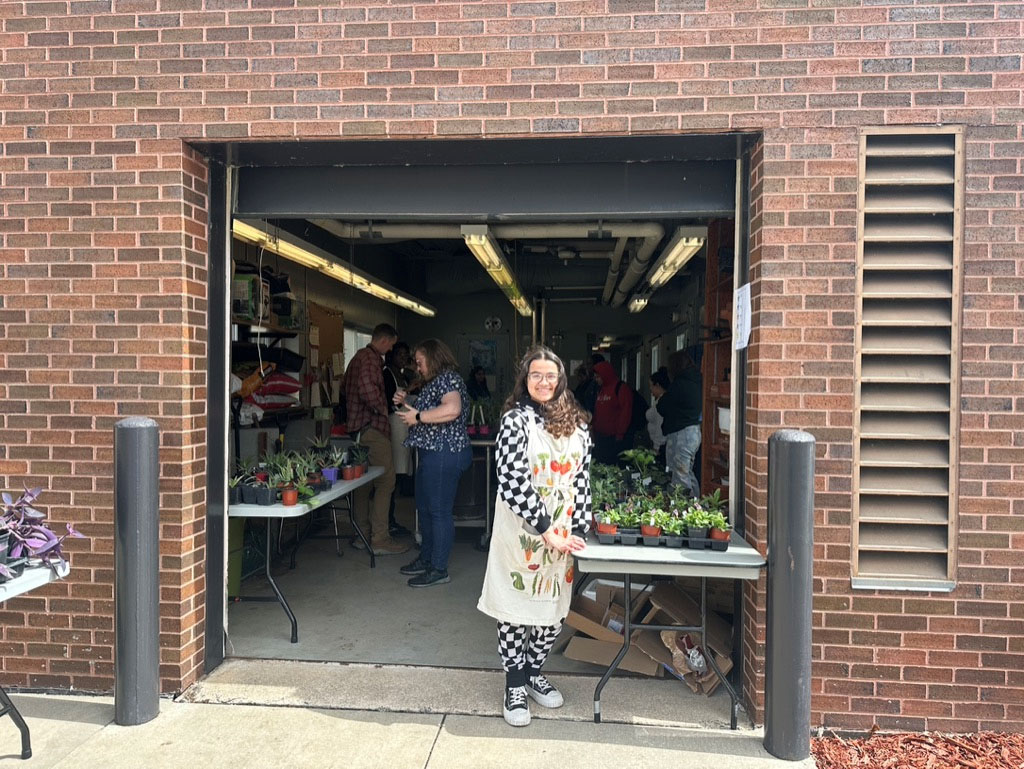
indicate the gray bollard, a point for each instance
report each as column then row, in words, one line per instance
column 787, row 721
column 136, row 571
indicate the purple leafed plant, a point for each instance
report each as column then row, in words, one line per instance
column 30, row 535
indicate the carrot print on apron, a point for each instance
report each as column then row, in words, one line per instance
column 527, row 582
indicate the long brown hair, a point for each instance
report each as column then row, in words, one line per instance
column 438, row 355
column 562, row 414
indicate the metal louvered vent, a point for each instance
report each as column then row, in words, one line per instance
column 910, row 224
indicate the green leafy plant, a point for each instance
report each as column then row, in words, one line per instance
column 657, row 517
column 337, row 457
column 716, row 520
column 358, row 453
column 641, row 459
column 714, row 502
column 305, row 492
column 698, row 518
column 673, row 526
column 611, row 516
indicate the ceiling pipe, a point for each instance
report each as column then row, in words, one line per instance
column 637, row 268
column 613, row 270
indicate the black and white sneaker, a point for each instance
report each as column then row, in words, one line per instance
column 429, row 577
column 543, row 693
column 515, row 708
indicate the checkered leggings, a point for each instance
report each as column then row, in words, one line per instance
column 524, row 648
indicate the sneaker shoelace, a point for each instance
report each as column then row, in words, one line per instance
column 515, row 698
column 541, row 684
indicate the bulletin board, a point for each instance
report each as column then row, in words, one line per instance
column 330, row 342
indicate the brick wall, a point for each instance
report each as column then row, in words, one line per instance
column 103, row 276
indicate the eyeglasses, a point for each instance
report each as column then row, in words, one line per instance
column 536, row 377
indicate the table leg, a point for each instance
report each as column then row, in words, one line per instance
column 277, row 592
column 627, row 596
column 485, row 538
column 10, row 710
column 710, row 655
column 359, row 532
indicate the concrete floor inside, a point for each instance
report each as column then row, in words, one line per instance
column 348, row 612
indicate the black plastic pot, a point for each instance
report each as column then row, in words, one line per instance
column 248, row 494
column 265, row 495
column 234, row 495
column 673, row 541
column 652, row 541
column 629, row 536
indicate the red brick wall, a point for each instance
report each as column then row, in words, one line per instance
column 101, row 236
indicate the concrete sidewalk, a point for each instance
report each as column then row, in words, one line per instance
column 71, row 732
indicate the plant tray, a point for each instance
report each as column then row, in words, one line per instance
column 663, row 541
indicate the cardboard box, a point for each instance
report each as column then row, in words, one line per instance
column 603, row 652
column 683, row 610
column 586, row 616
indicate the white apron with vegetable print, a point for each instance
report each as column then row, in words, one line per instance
column 527, row 582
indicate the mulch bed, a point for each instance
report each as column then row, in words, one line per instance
column 931, row 750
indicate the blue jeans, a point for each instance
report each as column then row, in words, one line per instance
column 437, row 478
column 680, row 450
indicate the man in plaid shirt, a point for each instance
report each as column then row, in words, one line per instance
column 368, row 416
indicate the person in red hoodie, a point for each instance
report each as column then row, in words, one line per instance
column 613, row 412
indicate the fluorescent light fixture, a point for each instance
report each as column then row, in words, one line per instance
column 487, row 251
column 292, row 248
column 638, row 302
column 685, row 242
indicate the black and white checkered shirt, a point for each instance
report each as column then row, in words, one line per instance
column 515, row 485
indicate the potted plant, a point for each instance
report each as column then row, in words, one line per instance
column 247, row 481
column 360, row 457
column 673, row 531
column 719, row 527
column 335, row 459
column 30, row 536
column 697, row 523
column 608, row 521
column 629, row 525
column 641, row 460
column 321, row 446
column 234, row 489
column 265, row 493
column 283, row 480
column 651, row 526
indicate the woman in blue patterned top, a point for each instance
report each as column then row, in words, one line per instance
column 437, row 430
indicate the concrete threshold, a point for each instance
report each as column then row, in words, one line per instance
column 452, row 691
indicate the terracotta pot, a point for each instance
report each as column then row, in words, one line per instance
column 289, row 497
column 360, row 470
column 650, row 531
column 607, row 528
column 719, row 534
column 348, row 473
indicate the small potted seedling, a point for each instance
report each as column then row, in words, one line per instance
column 608, row 525
column 629, row 526
column 673, row 531
column 719, row 528
column 698, row 521
column 652, row 526
column 335, row 460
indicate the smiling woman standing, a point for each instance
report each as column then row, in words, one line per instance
column 542, row 508
column 437, row 430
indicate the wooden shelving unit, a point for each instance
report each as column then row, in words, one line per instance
column 716, row 335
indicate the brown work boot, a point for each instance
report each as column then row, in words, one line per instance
column 390, row 547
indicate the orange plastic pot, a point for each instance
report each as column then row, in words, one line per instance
column 289, row 497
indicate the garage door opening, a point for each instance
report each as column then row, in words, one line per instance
column 623, row 248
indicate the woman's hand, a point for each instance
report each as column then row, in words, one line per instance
column 407, row 415
column 563, row 543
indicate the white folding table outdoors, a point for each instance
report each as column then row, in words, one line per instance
column 739, row 561
column 30, row 579
column 270, row 512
